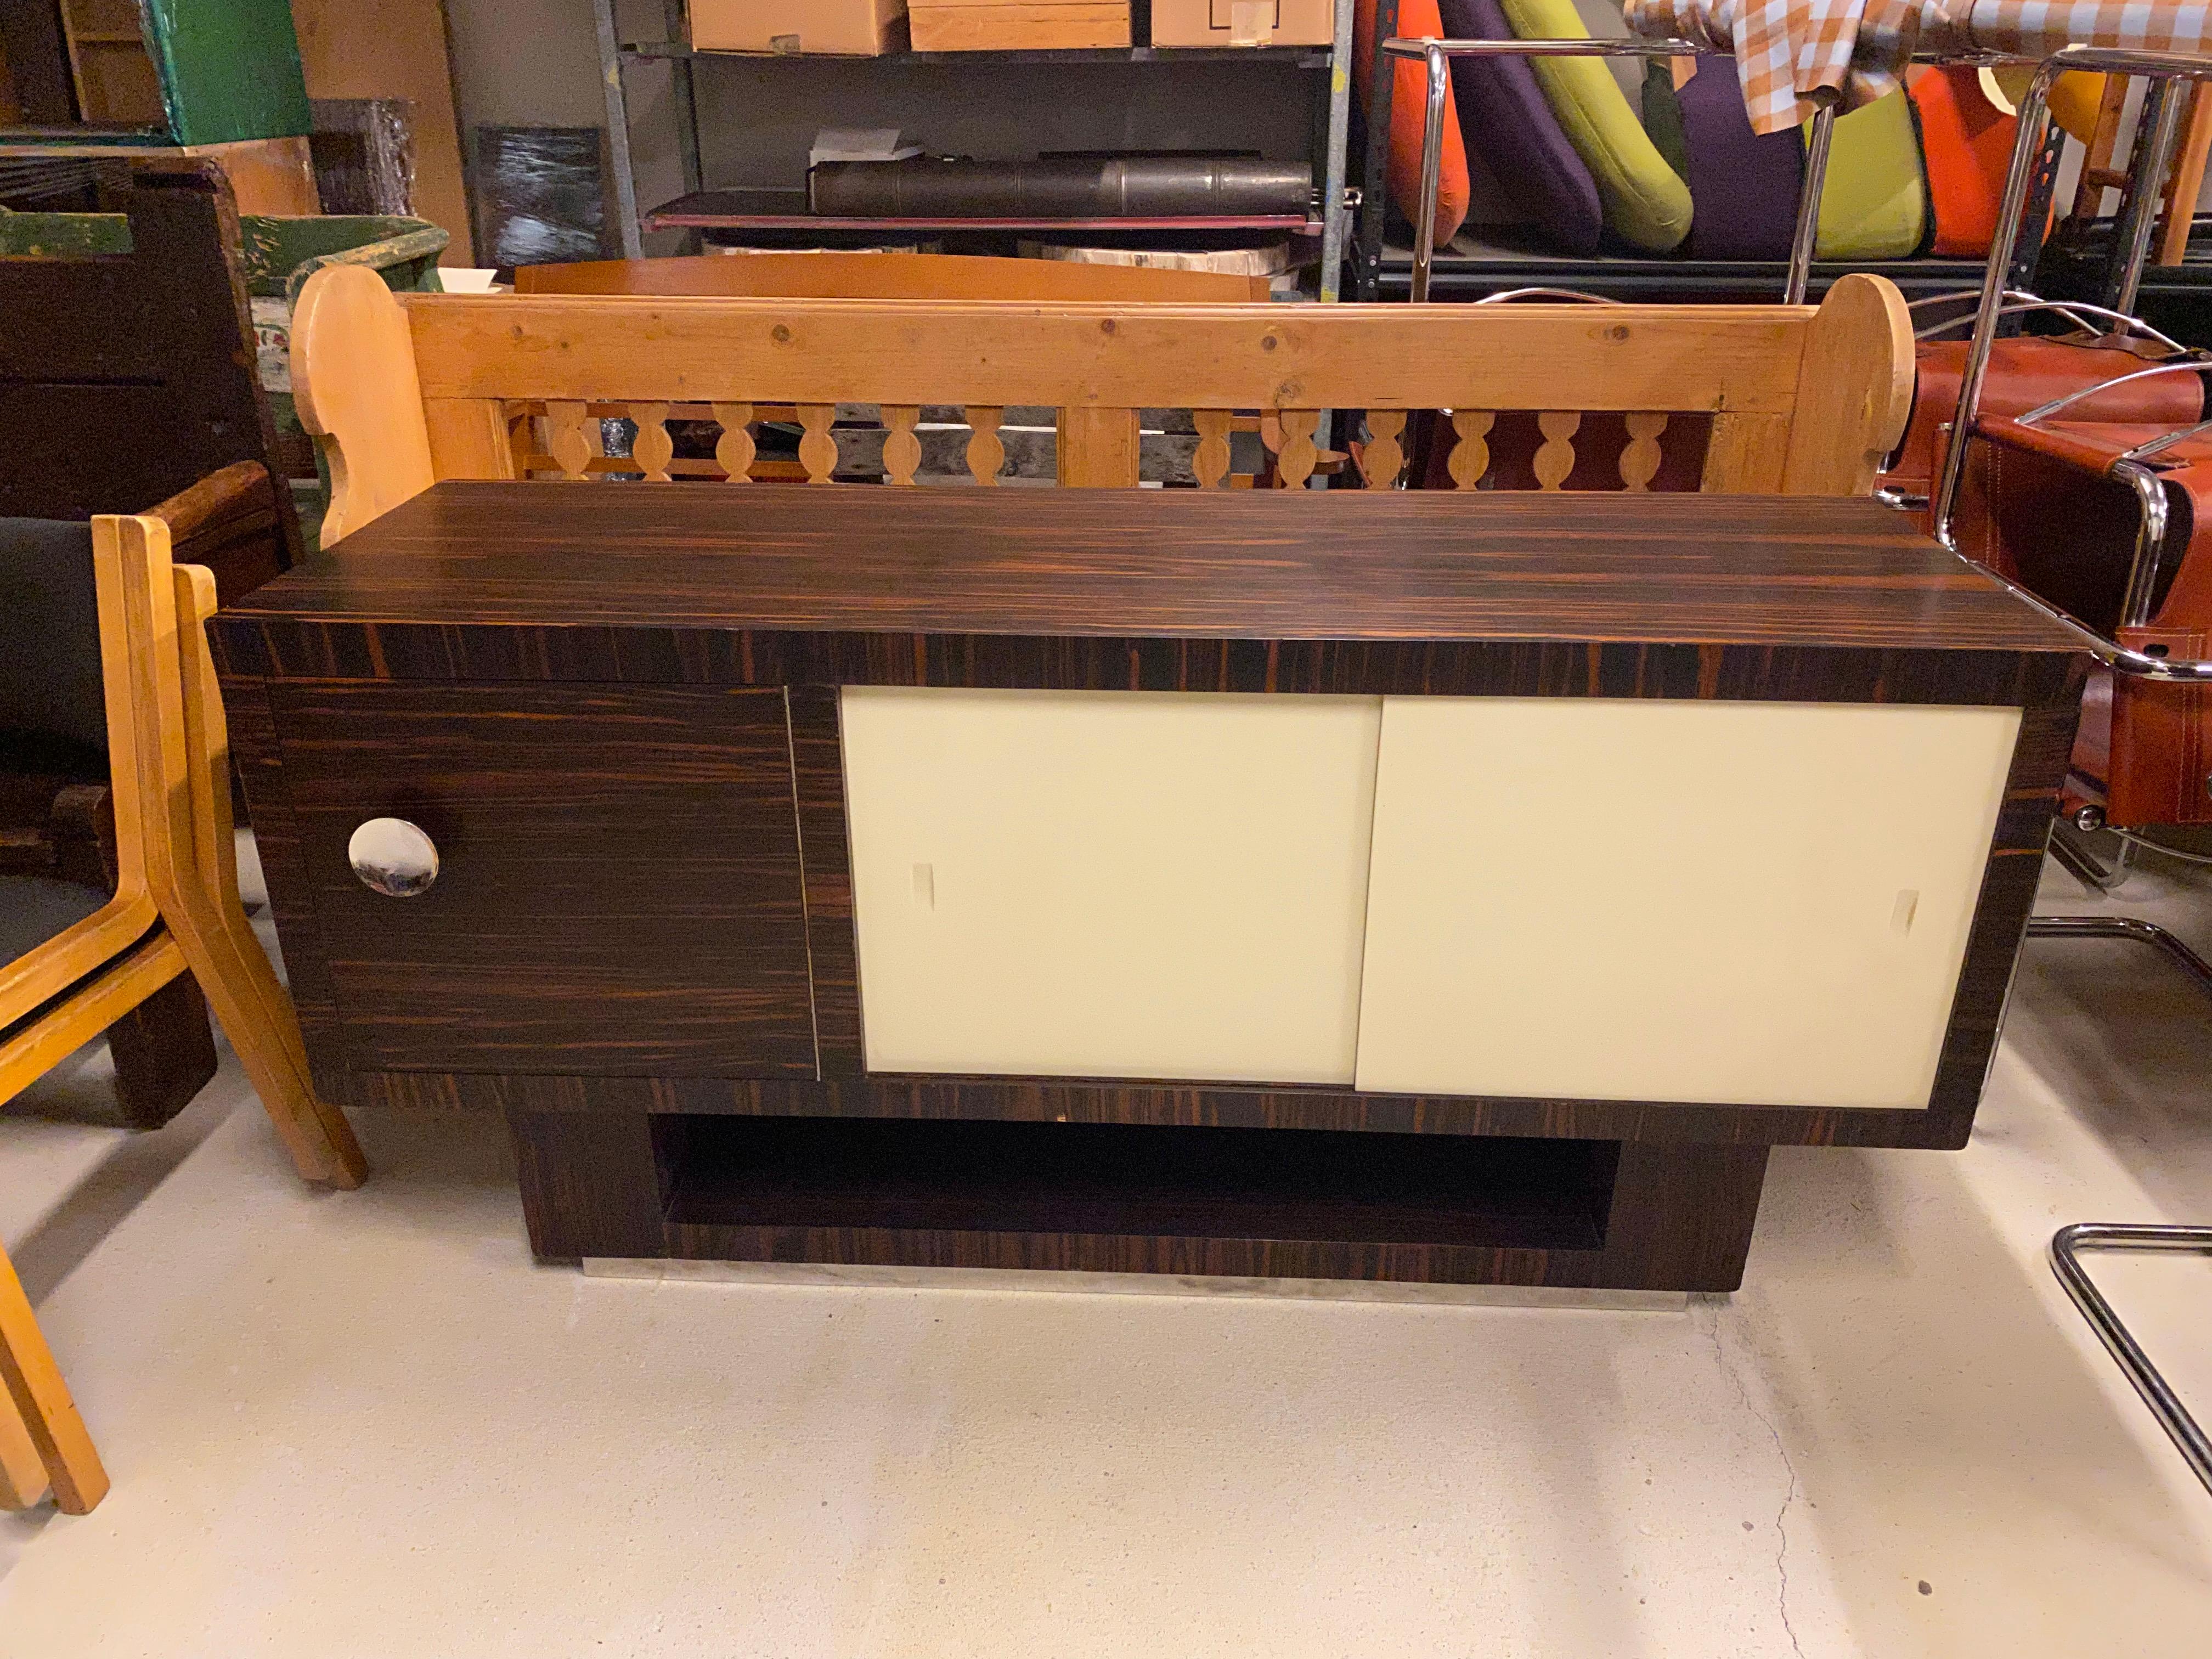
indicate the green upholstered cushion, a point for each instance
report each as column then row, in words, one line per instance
column 1875, row 205
column 1646, row 202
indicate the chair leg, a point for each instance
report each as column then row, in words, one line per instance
column 42, row 1401
column 257, row 1016
column 191, row 864
column 22, row 1471
column 2134, row 927
column 164, row 1053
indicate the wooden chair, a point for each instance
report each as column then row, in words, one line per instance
column 43, row 1443
column 175, row 905
column 173, row 917
column 403, row 391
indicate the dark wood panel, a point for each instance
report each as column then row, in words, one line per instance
column 131, row 377
column 1663, row 1122
column 590, row 1186
column 619, row 887
column 1375, row 565
column 818, row 760
column 627, row 1184
column 305, row 649
column 258, row 758
column 1236, row 1258
column 1682, row 1217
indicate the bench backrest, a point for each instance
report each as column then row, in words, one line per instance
column 403, row 391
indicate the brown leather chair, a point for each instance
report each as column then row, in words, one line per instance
column 2047, row 501
column 2058, row 505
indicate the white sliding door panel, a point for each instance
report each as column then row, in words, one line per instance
column 1638, row 900
column 1107, row 883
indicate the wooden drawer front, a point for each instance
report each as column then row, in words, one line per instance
column 619, row 884
column 1739, row 904
column 1109, row 884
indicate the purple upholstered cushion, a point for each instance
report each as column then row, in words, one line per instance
column 1508, row 124
column 1745, row 187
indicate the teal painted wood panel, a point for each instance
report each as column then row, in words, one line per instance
column 230, row 69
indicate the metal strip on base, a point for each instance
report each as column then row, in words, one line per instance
column 810, row 1274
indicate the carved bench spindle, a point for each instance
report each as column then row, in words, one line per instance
column 817, row 450
column 902, row 449
column 1639, row 462
column 1556, row 459
column 734, row 450
column 1209, row 463
column 567, row 438
column 1470, row 456
column 1385, row 457
column 986, row 454
column 653, row 449
column 1298, row 458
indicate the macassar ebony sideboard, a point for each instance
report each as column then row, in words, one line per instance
column 1357, row 885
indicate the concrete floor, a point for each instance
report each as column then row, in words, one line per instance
column 366, row 1424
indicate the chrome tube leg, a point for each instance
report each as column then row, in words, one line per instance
column 2127, row 928
column 2150, row 543
column 1438, row 68
column 1806, row 242
column 2034, row 114
column 2066, row 1245
column 2076, row 862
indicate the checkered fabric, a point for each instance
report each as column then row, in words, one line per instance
column 1787, row 49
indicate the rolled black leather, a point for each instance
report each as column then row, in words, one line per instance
column 1058, row 187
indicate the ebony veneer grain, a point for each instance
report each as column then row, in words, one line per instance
column 619, row 889
column 1367, row 565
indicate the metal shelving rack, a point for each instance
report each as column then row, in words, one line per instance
column 1331, row 120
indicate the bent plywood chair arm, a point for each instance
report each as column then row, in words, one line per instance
column 404, row 390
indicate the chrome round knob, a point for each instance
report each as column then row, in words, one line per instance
column 393, row 857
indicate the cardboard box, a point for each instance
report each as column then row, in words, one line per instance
column 1018, row 25
column 1244, row 23
column 850, row 28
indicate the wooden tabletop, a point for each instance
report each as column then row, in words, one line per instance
column 1168, row 564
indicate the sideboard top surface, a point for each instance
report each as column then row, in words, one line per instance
column 1167, row 564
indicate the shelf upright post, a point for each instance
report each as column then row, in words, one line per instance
column 1374, row 205
column 2156, row 128
column 611, row 83
column 677, row 19
column 1336, row 221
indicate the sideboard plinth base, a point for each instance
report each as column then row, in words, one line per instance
column 1098, row 1199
